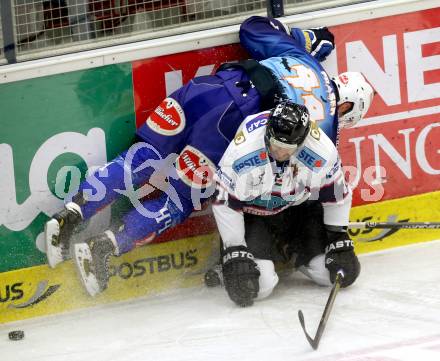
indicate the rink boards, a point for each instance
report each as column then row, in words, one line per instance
column 39, row 290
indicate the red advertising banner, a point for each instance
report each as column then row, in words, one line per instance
column 396, row 149
column 400, row 57
column 155, row 78
column 394, row 159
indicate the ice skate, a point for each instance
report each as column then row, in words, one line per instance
column 92, row 258
column 57, row 233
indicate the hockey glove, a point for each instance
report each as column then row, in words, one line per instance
column 318, row 42
column 240, row 275
column 340, row 256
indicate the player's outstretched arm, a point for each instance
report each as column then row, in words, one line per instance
column 265, row 37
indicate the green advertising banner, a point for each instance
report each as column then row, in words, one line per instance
column 51, row 130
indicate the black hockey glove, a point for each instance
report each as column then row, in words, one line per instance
column 319, row 42
column 240, row 275
column 340, row 256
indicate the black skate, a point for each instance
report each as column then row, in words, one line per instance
column 92, row 258
column 57, row 233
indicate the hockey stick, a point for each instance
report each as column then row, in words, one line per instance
column 389, row 225
column 314, row 342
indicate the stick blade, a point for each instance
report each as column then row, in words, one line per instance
column 303, row 325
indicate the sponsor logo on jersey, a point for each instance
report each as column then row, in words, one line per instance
column 310, row 159
column 194, row 168
column 257, row 122
column 168, row 118
column 251, row 160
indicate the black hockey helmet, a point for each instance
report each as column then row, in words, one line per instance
column 288, row 125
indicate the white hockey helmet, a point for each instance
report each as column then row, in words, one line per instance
column 353, row 87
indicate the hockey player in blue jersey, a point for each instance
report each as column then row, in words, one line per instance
column 184, row 138
column 333, row 103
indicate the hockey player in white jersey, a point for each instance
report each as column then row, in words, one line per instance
column 281, row 191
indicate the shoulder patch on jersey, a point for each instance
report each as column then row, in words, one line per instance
column 250, row 161
column 239, row 138
column 168, row 118
column 257, row 122
column 310, row 159
column 314, row 131
column 194, row 168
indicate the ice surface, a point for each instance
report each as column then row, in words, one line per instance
column 392, row 313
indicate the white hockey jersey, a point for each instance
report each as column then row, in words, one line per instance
column 250, row 181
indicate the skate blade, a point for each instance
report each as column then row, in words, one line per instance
column 83, row 260
column 53, row 253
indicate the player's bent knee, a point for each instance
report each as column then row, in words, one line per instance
column 268, row 277
column 316, row 271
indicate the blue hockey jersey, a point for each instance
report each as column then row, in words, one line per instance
column 302, row 77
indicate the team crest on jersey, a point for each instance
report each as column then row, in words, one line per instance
column 194, row 168
column 168, row 118
column 311, row 160
column 256, row 122
column 249, row 161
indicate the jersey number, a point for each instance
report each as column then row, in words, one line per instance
column 307, row 81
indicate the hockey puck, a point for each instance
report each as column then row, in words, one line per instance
column 16, row 335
